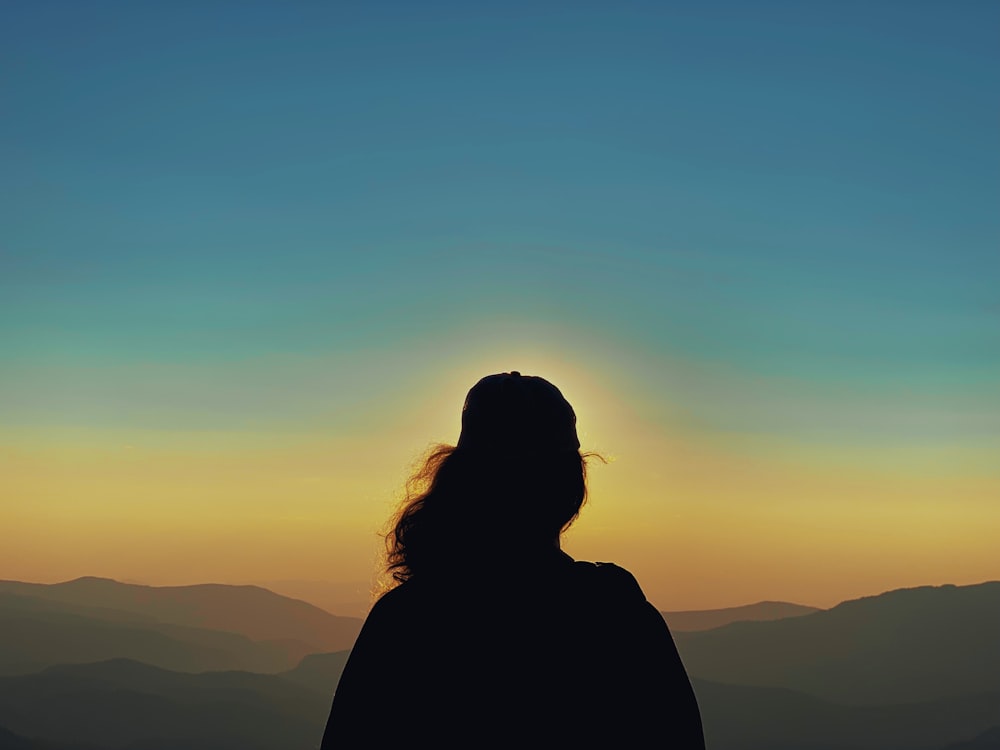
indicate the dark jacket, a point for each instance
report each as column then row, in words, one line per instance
column 552, row 654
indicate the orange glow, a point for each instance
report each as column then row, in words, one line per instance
column 703, row 518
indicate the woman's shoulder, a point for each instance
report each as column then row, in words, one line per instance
column 401, row 596
column 610, row 580
column 596, row 582
column 411, row 596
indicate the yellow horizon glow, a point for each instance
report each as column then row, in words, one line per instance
column 700, row 520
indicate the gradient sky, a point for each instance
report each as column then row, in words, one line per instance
column 253, row 254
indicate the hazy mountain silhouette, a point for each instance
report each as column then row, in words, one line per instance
column 123, row 703
column 10, row 741
column 35, row 633
column 706, row 619
column 902, row 646
column 914, row 669
column 319, row 672
column 252, row 611
column 345, row 598
column 754, row 718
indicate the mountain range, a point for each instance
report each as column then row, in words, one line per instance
column 187, row 628
column 909, row 645
column 252, row 611
column 94, row 664
column 706, row 619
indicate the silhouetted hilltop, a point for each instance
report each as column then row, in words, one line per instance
column 346, row 598
column 906, row 645
column 10, row 741
column 988, row 740
column 252, row 611
column 122, row 703
column 706, row 619
column 754, row 718
column 36, row 633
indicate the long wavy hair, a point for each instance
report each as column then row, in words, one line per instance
column 466, row 511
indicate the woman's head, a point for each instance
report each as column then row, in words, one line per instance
column 512, row 484
column 517, row 414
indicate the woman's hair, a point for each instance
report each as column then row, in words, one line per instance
column 468, row 509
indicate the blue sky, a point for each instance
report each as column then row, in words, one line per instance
column 785, row 190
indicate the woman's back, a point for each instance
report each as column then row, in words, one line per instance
column 492, row 636
column 557, row 653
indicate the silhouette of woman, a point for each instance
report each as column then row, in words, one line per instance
column 492, row 636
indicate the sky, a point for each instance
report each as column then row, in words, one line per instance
column 252, row 255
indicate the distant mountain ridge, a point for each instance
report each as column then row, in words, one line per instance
column 908, row 645
column 252, row 611
column 706, row 619
column 911, row 669
column 39, row 633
